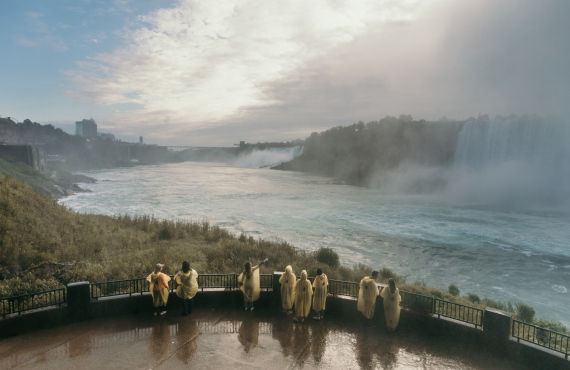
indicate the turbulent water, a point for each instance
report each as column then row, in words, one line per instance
column 500, row 227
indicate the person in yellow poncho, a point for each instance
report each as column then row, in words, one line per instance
column 187, row 281
column 248, row 282
column 320, row 284
column 288, row 281
column 303, row 295
column 158, row 289
column 392, row 299
column 367, row 295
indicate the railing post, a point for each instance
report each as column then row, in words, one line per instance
column 78, row 299
column 496, row 326
column 276, row 287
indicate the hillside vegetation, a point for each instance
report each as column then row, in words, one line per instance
column 356, row 153
column 44, row 245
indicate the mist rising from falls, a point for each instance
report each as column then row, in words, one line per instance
column 513, row 161
column 267, row 158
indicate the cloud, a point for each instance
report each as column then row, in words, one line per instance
column 23, row 41
column 263, row 70
column 199, row 63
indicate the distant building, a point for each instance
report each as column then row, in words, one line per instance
column 242, row 144
column 140, row 139
column 86, row 128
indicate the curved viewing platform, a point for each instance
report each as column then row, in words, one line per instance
column 222, row 338
column 110, row 326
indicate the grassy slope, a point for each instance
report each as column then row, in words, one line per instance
column 44, row 245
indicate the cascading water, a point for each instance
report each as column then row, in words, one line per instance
column 267, row 157
column 513, row 158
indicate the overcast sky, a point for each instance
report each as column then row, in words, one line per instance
column 216, row 72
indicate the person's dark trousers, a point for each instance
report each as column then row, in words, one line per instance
column 188, row 305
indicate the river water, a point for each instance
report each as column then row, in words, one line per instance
column 499, row 252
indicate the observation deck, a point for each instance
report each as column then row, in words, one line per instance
column 110, row 326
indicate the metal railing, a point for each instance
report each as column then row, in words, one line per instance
column 118, row 287
column 541, row 336
column 344, row 288
column 417, row 302
column 266, row 281
column 32, row 301
column 225, row 281
column 457, row 311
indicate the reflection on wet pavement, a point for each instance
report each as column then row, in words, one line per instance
column 227, row 339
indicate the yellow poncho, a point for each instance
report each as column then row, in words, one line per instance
column 367, row 297
column 288, row 281
column 187, row 284
column 158, row 288
column 250, row 285
column 320, row 294
column 303, row 295
column 391, row 307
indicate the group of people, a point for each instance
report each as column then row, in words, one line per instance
column 186, row 289
column 298, row 296
column 368, row 293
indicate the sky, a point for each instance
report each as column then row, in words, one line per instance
column 188, row 72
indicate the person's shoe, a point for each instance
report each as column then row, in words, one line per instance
column 252, row 308
column 162, row 313
column 155, row 313
column 316, row 317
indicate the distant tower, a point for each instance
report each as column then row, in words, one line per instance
column 86, row 128
column 242, row 144
column 140, row 139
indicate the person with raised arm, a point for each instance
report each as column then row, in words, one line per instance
column 303, row 295
column 248, row 282
column 158, row 286
column 367, row 295
column 288, row 281
column 187, row 281
column 392, row 299
column 320, row 284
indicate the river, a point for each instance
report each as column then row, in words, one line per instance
column 498, row 252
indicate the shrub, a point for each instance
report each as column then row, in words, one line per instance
column 437, row 294
column 524, row 312
column 453, row 290
column 328, row 256
column 386, row 274
column 495, row 304
column 165, row 234
column 474, row 298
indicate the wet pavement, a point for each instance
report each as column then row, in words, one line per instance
column 215, row 339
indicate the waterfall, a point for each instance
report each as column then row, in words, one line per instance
column 514, row 157
column 267, row 157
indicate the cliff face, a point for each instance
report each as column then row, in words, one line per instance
column 358, row 152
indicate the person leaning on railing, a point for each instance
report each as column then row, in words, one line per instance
column 159, row 289
column 187, row 281
column 320, row 285
column 367, row 295
column 288, row 281
column 392, row 299
column 248, row 282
